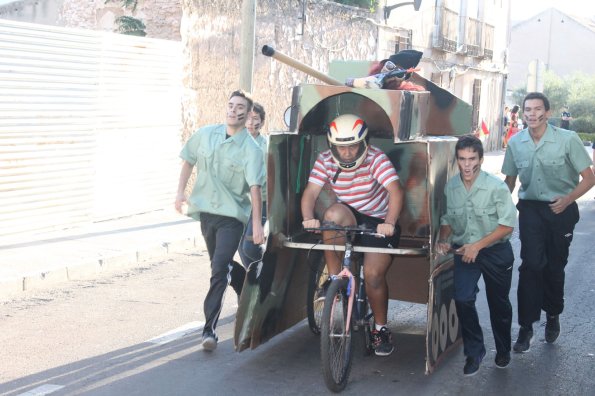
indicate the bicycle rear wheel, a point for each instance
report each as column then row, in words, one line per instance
column 336, row 341
column 315, row 295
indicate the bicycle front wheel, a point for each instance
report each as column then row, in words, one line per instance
column 336, row 340
column 315, row 296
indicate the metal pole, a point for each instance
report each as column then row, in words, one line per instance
column 247, row 40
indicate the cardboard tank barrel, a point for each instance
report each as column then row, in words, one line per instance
column 417, row 132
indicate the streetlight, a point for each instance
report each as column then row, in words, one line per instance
column 387, row 9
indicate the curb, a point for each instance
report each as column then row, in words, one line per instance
column 93, row 268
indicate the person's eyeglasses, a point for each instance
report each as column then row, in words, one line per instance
column 388, row 66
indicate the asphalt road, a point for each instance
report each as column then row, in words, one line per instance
column 109, row 337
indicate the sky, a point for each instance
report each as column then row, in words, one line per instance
column 523, row 9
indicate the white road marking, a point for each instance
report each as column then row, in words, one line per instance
column 180, row 332
column 42, row 390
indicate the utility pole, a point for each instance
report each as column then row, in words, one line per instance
column 247, row 43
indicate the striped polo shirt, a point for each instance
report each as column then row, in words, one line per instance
column 364, row 188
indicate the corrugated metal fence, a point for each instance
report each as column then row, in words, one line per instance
column 89, row 126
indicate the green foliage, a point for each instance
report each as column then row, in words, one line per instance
column 587, row 137
column 556, row 90
column 518, row 95
column 368, row 4
column 127, row 24
column 131, row 26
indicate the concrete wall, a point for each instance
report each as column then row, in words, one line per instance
column 35, row 11
column 562, row 43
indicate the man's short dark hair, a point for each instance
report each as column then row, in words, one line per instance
column 259, row 109
column 469, row 141
column 537, row 95
column 241, row 93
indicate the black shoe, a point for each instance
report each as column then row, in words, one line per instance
column 382, row 342
column 552, row 328
column 209, row 341
column 502, row 359
column 523, row 343
column 472, row 364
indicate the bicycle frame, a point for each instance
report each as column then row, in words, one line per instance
column 346, row 273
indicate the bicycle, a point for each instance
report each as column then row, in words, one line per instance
column 339, row 318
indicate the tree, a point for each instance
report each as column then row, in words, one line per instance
column 557, row 91
column 581, row 102
column 128, row 24
column 518, row 95
column 131, row 26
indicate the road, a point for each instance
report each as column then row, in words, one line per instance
column 109, row 337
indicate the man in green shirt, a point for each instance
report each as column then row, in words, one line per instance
column 548, row 161
column 479, row 219
column 249, row 251
column 230, row 173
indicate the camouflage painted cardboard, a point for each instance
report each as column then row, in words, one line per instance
column 274, row 294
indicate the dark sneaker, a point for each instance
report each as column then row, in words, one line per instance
column 209, row 341
column 523, row 343
column 382, row 342
column 472, row 364
column 502, row 359
column 552, row 328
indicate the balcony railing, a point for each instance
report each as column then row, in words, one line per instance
column 477, row 33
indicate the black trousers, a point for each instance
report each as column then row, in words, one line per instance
column 495, row 264
column 545, row 243
column 222, row 235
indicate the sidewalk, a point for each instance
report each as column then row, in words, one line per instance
column 85, row 253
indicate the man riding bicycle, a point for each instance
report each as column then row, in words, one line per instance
column 368, row 193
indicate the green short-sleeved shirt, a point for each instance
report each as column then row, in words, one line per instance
column 226, row 168
column 549, row 169
column 263, row 143
column 476, row 213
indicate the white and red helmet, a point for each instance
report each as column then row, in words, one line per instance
column 348, row 130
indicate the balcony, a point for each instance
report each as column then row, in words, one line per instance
column 479, row 36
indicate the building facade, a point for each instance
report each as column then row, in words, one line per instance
column 562, row 43
column 465, row 51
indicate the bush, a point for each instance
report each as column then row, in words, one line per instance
column 582, row 124
column 586, row 137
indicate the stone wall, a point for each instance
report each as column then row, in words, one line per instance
column 161, row 17
column 211, row 39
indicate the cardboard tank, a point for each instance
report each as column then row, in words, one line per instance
column 416, row 130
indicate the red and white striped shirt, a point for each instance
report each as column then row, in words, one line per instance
column 364, row 188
